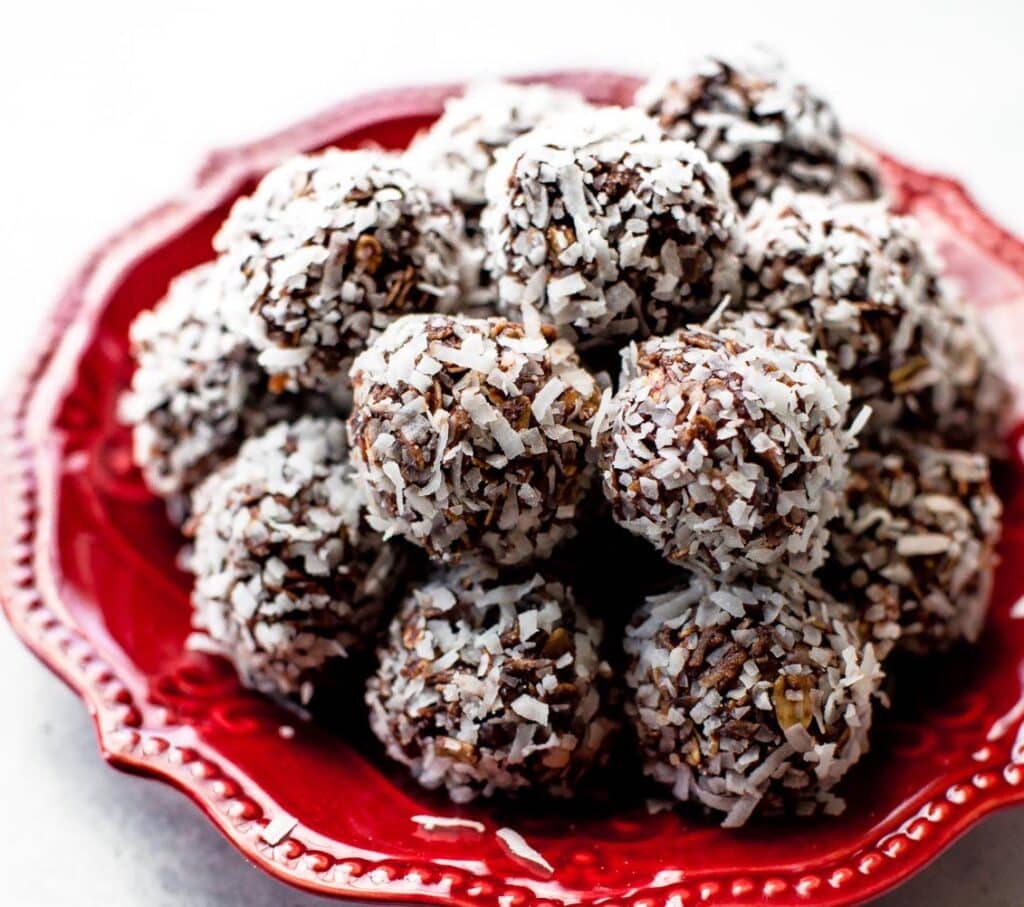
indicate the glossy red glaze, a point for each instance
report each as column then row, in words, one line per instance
column 88, row 580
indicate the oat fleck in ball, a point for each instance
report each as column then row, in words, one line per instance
column 867, row 287
column 330, row 247
column 915, row 550
column 727, row 451
column 470, row 435
column 749, row 697
column 288, row 577
column 766, row 128
column 487, row 685
column 197, row 390
column 610, row 238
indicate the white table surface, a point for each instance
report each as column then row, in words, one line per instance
column 107, row 108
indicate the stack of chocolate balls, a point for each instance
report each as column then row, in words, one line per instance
column 400, row 358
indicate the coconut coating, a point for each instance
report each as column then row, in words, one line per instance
column 329, row 248
column 727, row 450
column 289, row 579
column 611, row 239
column 197, row 390
column 588, row 125
column 915, row 550
column 749, row 696
column 461, row 146
column 867, row 288
column 763, row 126
column 470, row 435
column 488, row 685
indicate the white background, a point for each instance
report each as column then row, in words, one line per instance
column 107, row 108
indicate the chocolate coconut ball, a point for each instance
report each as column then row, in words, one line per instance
column 727, row 450
column 764, row 127
column 915, row 549
column 470, row 435
column 197, row 391
column 456, row 152
column 329, row 248
column 289, row 579
column 749, row 696
column 970, row 403
column 487, row 685
column 867, row 288
column 610, row 238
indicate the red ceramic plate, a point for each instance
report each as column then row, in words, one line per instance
column 88, row 580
